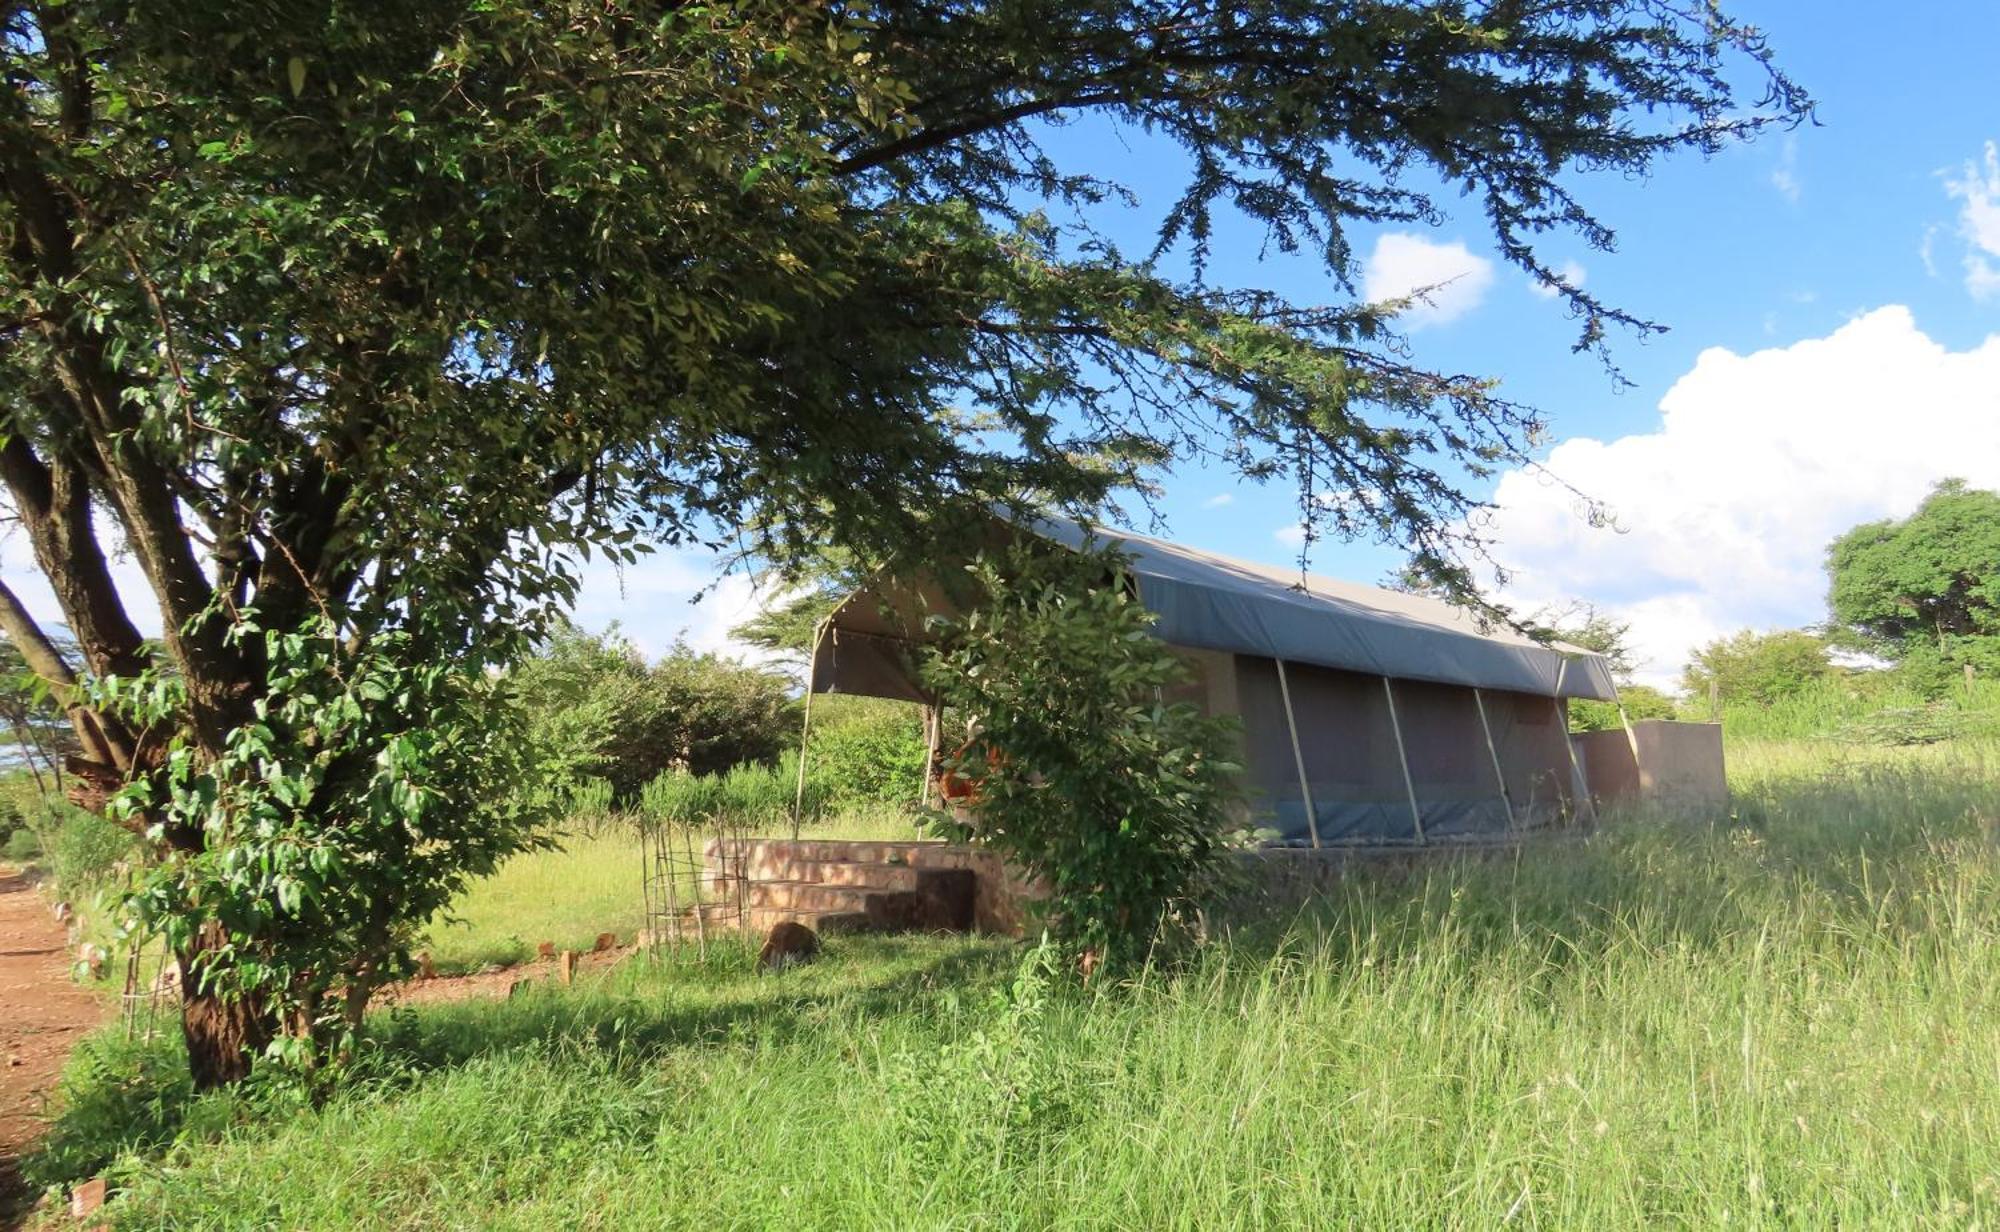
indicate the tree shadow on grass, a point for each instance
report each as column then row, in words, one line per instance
column 132, row 1101
column 643, row 1008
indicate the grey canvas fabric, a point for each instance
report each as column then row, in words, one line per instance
column 1218, row 603
column 1211, row 602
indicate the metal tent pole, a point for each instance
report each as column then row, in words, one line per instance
column 1578, row 784
column 1632, row 739
column 1499, row 775
column 1298, row 758
column 933, row 736
column 1403, row 760
column 805, row 728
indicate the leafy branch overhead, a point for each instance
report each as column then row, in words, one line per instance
column 356, row 327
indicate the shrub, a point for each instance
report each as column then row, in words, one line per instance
column 82, row 850
column 1085, row 778
column 748, row 795
column 600, row 711
column 867, row 751
column 21, row 846
column 1759, row 668
column 1640, row 702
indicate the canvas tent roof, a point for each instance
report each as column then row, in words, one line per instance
column 1212, row 602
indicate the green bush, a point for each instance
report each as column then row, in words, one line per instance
column 867, row 751
column 748, row 795
column 21, row 846
column 1640, row 702
column 600, row 711
column 1085, row 780
column 1757, row 668
column 82, row 850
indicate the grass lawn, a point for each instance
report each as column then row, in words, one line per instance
column 589, row 885
column 1791, row 1020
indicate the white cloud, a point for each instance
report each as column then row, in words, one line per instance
column 1785, row 176
column 1725, row 511
column 655, row 602
column 1291, row 536
column 1219, row 500
column 1448, row 279
column 1569, row 271
column 1978, row 187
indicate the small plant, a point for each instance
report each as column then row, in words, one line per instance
column 81, row 850
column 1082, row 775
column 991, row 1098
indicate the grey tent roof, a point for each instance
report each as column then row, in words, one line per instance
column 1211, row 602
column 1220, row 603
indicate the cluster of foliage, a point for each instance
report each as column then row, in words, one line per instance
column 600, row 711
column 761, row 797
column 1924, row 591
column 82, row 852
column 1083, row 776
column 1754, row 668
column 867, row 751
column 356, row 327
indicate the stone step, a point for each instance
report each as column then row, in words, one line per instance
column 867, row 851
column 866, row 874
column 807, row 896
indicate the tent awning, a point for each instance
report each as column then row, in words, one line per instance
column 1210, row 602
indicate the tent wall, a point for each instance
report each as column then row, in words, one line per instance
column 1449, row 762
column 1345, row 741
column 1353, row 771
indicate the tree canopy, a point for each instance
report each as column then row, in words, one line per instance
column 1924, row 590
column 357, row 326
column 1753, row 667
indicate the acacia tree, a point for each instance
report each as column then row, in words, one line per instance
column 356, row 325
column 1924, row 590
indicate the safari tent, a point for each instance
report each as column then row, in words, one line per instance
column 1368, row 715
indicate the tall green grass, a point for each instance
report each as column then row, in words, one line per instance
column 1873, row 708
column 1784, row 1019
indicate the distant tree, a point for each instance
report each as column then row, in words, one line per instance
column 600, row 711
column 1581, row 624
column 786, row 627
column 1756, row 668
column 34, row 716
column 1924, row 590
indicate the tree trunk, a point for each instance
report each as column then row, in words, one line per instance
column 224, row 1035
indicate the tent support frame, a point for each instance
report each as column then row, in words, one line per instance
column 1493, row 751
column 1578, row 784
column 933, row 733
column 805, row 725
column 1298, row 757
column 1403, row 760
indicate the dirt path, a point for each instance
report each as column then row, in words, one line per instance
column 42, row 1015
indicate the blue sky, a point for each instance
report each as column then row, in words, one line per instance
column 1834, row 301
column 1833, row 296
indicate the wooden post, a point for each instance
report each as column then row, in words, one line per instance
column 805, row 727
column 1298, row 758
column 1403, row 760
column 1492, row 751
